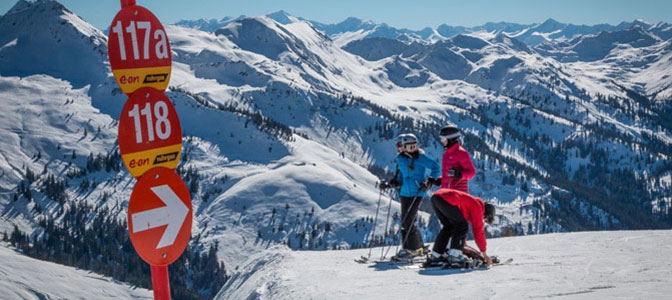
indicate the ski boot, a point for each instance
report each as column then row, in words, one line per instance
column 436, row 260
column 457, row 260
column 406, row 254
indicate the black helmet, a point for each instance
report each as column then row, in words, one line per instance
column 489, row 213
column 451, row 134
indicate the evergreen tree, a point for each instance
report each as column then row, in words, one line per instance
column 95, row 239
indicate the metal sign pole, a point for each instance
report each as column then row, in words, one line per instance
column 125, row 3
column 160, row 283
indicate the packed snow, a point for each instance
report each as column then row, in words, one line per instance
column 28, row 278
column 587, row 265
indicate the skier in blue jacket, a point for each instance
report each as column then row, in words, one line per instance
column 413, row 167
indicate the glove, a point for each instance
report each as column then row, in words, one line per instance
column 457, row 174
column 383, row 185
column 487, row 259
column 434, row 181
column 424, row 186
column 394, row 183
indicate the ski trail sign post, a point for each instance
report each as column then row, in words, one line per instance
column 150, row 141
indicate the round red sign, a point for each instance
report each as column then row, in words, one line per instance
column 138, row 50
column 159, row 216
column 149, row 132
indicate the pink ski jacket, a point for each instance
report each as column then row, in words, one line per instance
column 456, row 157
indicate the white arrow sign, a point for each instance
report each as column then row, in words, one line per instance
column 173, row 215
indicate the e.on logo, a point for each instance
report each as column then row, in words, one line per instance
column 128, row 80
column 138, row 162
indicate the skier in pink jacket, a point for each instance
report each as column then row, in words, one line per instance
column 456, row 166
column 456, row 171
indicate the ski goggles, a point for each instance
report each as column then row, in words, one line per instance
column 410, row 147
column 444, row 138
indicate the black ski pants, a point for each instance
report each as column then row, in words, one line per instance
column 409, row 208
column 455, row 226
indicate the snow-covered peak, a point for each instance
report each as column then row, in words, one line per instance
column 660, row 25
column 263, row 35
column 450, row 31
column 468, row 42
column 502, row 27
column 349, row 24
column 19, row 6
column 24, row 4
column 44, row 37
column 510, row 42
column 549, row 25
column 210, row 25
column 44, row 13
column 640, row 22
column 597, row 46
column 282, row 17
column 51, row 7
column 662, row 30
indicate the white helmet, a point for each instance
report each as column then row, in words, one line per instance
column 409, row 142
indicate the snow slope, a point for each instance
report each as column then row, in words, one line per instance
column 588, row 265
column 28, row 278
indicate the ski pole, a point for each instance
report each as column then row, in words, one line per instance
column 387, row 220
column 401, row 225
column 404, row 219
column 408, row 231
column 375, row 221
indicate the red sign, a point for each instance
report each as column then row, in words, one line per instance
column 159, row 216
column 149, row 132
column 139, row 50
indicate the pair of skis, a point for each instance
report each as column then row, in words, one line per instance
column 446, row 266
column 391, row 261
column 417, row 263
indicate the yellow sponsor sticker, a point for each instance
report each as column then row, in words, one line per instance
column 138, row 163
column 132, row 79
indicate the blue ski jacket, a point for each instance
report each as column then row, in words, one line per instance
column 413, row 172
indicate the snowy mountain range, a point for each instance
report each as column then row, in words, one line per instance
column 290, row 124
column 531, row 34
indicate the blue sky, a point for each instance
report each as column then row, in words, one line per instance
column 404, row 14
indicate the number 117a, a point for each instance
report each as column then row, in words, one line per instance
column 160, row 49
